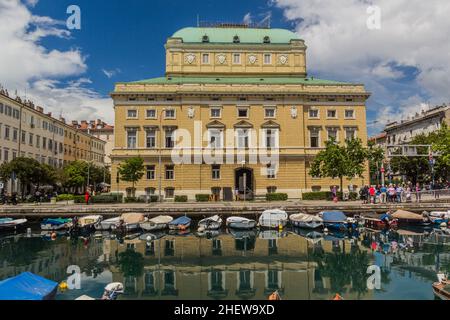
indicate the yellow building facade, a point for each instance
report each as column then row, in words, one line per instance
column 235, row 115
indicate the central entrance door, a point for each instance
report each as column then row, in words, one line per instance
column 244, row 183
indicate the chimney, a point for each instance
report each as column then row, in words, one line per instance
column 99, row 122
column 74, row 122
column 62, row 119
column 49, row 114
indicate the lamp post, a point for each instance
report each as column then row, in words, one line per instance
column 159, row 157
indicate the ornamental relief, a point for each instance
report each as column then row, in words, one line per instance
column 252, row 59
column 221, row 58
column 283, row 59
column 190, row 58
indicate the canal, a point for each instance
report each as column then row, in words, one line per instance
column 235, row 265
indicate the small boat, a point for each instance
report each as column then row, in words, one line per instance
column 273, row 218
column 111, row 292
column 240, row 223
column 130, row 221
column 410, row 218
column 28, row 286
column 337, row 220
column 302, row 220
column 8, row 223
column 379, row 222
column 181, row 223
column 152, row 236
column 108, row 224
column 438, row 217
column 53, row 224
column 210, row 223
column 157, row 223
column 441, row 288
column 88, row 223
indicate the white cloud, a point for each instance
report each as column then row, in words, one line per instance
column 25, row 64
column 413, row 35
column 110, row 73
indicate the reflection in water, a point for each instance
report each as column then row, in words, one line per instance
column 300, row 264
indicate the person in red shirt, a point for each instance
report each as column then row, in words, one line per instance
column 87, row 196
column 372, row 194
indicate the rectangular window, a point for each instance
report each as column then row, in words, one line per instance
column 1, row 107
column 7, row 132
column 131, row 139
column 215, row 172
column 314, row 113
column 151, row 114
column 349, row 114
column 215, row 138
column 331, row 114
column 267, row 58
column 314, row 138
column 269, row 112
column 44, row 143
column 216, row 112
column 350, row 133
column 271, row 171
column 150, row 139
column 205, row 58
column 271, row 138
column 169, row 193
column 169, row 114
column 332, row 134
column 169, row 141
column 242, row 113
column 38, row 141
column 15, row 134
column 236, row 58
column 170, row 172
column 31, row 139
column 132, row 114
column 243, row 138
column 24, row 137
column 6, row 155
column 150, row 172
column 9, row 111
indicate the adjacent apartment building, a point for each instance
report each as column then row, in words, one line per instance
column 26, row 131
column 235, row 116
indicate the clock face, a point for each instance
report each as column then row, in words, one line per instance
column 190, row 58
column 252, row 59
column 283, row 59
column 221, row 58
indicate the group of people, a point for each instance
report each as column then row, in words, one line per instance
column 391, row 193
column 10, row 198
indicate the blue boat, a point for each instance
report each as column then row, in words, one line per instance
column 27, row 286
column 337, row 220
column 182, row 223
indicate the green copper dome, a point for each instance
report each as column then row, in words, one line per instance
column 231, row 35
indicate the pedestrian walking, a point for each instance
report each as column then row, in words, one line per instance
column 372, row 194
column 417, row 192
column 399, row 191
column 383, row 191
column 87, row 197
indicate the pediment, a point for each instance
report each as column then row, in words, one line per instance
column 215, row 124
column 243, row 124
column 270, row 125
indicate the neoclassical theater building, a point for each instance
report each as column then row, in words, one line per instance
column 236, row 116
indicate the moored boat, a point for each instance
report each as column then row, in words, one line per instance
column 273, row 218
column 157, row 223
column 441, row 288
column 130, row 221
column 379, row 222
column 438, row 217
column 52, row 224
column 108, row 224
column 337, row 220
column 302, row 220
column 210, row 223
column 27, row 286
column 410, row 218
column 88, row 223
column 181, row 223
column 241, row 223
column 152, row 236
column 9, row 223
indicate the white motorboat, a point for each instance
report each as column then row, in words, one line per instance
column 130, row 221
column 157, row 223
column 439, row 217
column 108, row 224
column 210, row 223
column 273, row 218
column 89, row 222
column 240, row 223
column 302, row 220
column 111, row 292
column 8, row 223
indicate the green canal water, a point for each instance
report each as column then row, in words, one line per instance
column 235, row 265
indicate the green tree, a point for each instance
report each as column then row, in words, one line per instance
column 375, row 156
column 74, row 175
column 338, row 161
column 27, row 171
column 132, row 170
column 131, row 263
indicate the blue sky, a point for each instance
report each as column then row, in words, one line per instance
column 404, row 63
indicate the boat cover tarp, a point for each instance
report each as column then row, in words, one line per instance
column 385, row 216
column 215, row 218
column 56, row 221
column 5, row 220
column 88, row 220
column 402, row 214
column 133, row 217
column 161, row 219
column 303, row 217
column 181, row 221
column 334, row 216
column 239, row 220
column 26, row 286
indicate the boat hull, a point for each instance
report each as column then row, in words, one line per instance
column 307, row 225
column 13, row 224
column 147, row 226
column 440, row 292
column 179, row 226
column 52, row 227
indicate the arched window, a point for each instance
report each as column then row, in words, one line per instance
column 236, row 39
column 205, row 38
column 266, row 39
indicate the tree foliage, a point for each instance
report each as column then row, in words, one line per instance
column 132, row 170
column 339, row 161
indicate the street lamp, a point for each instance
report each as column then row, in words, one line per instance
column 159, row 157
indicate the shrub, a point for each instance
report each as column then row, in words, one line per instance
column 65, row 197
column 181, row 198
column 134, row 200
column 276, row 196
column 202, row 197
column 326, row 195
column 79, row 199
column 107, row 198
